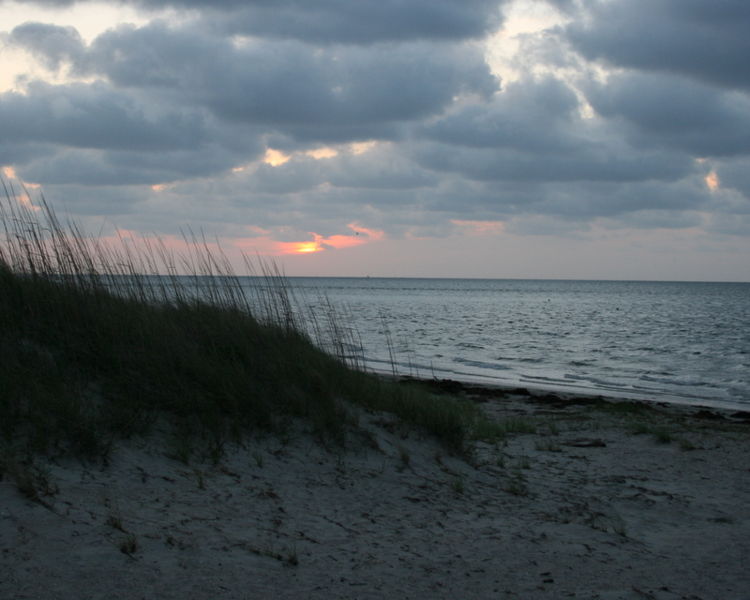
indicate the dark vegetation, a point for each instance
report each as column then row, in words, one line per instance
column 99, row 343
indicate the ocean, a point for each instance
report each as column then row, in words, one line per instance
column 678, row 342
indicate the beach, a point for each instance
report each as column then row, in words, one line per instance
column 584, row 498
column 374, row 300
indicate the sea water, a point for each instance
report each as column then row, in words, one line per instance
column 664, row 341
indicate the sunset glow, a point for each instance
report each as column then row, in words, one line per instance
column 281, row 130
column 361, row 235
column 305, row 247
column 21, row 197
column 358, row 148
column 712, row 181
column 275, row 158
column 322, row 153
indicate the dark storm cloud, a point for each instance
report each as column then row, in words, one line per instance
column 533, row 131
column 339, row 21
column 376, row 176
column 592, row 162
column 330, row 94
column 183, row 103
column 566, row 6
column 101, row 202
column 192, row 104
column 14, row 152
column 364, row 21
column 704, row 40
column 51, row 44
column 736, row 174
column 429, row 201
column 75, row 166
column 95, row 116
column 639, row 197
column 531, row 116
column 580, row 201
column 292, row 177
column 671, row 111
column 380, row 170
column 99, row 135
column 70, row 166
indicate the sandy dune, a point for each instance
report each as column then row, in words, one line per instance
column 583, row 508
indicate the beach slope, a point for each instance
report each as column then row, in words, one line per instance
column 582, row 499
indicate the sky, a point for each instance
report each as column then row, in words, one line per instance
column 570, row 139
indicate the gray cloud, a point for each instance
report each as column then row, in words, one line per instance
column 379, row 173
column 676, row 112
column 51, row 44
column 95, row 203
column 530, row 116
column 573, row 201
column 100, row 135
column 118, row 167
column 15, row 152
column 383, row 168
column 533, row 131
column 365, row 21
column 735, row 174
column 566, row 6
column 703, row 40
column 660, row 219
column 338, row 21
column 593, row 162
column 184, row 103
column 331, row 94
column 178, row 103
column 96, row 116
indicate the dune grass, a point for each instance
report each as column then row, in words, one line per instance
column 100, row 343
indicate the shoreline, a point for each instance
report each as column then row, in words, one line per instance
column 585, row 498
column 559, row 398
column 573, row 390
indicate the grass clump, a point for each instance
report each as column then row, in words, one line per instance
column 129, row 545
column 100, row 343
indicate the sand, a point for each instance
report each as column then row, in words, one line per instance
column 583, row 508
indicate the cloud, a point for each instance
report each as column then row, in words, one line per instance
column 566, row 6
column 330, row 94
column 96, row 116
column 100, row 135
column 595, row 161
column 382, row 168
column 327, row 94
column 170, row 123
column 575, row 202
column 671, row 111
column 530, row 115
column 534, row 132
column 51, row 44
column 338, row 21
column 91, row 167
column 362, row 22
column 735, row 174
column 707, row 41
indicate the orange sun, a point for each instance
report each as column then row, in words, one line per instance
column 307, row 247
